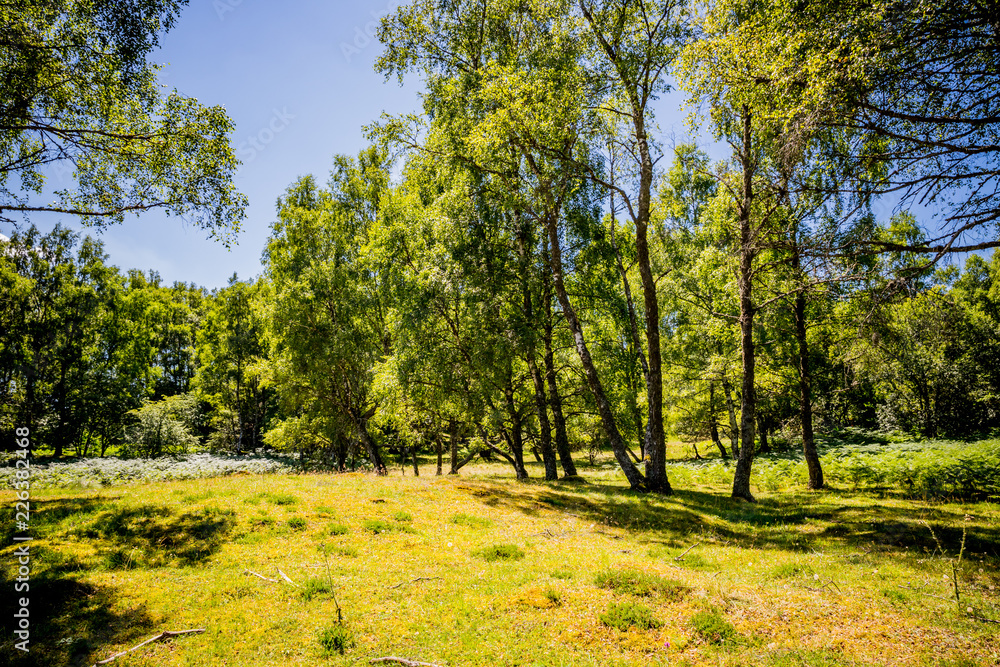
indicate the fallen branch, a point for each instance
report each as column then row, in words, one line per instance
column 273, row 581
column 681, row 557
column 162, row 635
column 405, row 662
column 413, row 581
column 285, row 577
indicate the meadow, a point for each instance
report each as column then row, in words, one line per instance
column 481, row 570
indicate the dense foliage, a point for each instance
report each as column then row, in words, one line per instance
column 543, row 276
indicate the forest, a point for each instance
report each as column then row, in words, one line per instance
column 524, row 270
column 528, row 277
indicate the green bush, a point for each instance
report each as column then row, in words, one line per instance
column 625, row 615
column 338, row 529
column 634, row 582
column 297, row 523
column 402, row 517
column 336, row 639
column 497, row 552
column 712, row 627
column 162, row 427
column 470, row 521
column 376, row 526
column 315, row 587
column 281, row 498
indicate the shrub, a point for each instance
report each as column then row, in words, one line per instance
column 624, row 615
column 297, row 523
column 376, row 526
column 712, row 627
column 402, row 517
column 336, row 639
column 633, row 582
column 553, row 596
column 338, row 529
column 281, row 498
column 470, row 521
column 314, row 587
column 162, row 427
column 497, row 552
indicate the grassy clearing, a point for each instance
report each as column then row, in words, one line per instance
column 800, row 579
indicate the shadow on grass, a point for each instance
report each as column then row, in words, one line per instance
column 70, row 622
column 156, row 535
column 794, row 522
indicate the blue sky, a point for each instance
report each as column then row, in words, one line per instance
column 297, row 80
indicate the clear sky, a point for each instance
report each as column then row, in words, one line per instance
column 297, row 79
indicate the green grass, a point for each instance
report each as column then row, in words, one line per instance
column 634, row 582
column 496, row 552
column 713, row 628
column 838, row 578
column 625, row 615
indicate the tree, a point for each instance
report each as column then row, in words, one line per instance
column 78, row 93
column 329, row 317
column 231, row 351
column 914, row 83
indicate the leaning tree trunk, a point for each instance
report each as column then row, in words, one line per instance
column 555, row 401
column 635, row 478
column 515, row 439
column 748, row 406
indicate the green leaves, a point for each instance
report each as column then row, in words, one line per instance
column 78, row 92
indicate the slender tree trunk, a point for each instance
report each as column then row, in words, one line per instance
column 734, row 429
column 439, row 446
column 555, row 401
column 541, row 401
column 516, row 436
column 805, row 387
column 416, row 467
column 453, row 436
column 748, row 407
column 763, row 423
column 635, row 478
column 655, row 450
column 713, row 423
column 544, row 428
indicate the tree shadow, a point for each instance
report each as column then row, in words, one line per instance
column 156, row 535
column 794, row 522
column 69, row 621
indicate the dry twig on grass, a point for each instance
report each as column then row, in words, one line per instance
column 681, row 557
column 163, row 635
column 405, row 662
column 273, row 581
column 413, row 581
column 285, row 577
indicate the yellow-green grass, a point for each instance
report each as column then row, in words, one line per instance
column 817, row 579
